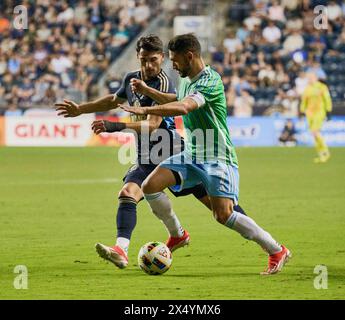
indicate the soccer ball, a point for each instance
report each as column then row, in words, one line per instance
column 154, row 258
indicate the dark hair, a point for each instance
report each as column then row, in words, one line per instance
column 184, row 43
column 151, row 43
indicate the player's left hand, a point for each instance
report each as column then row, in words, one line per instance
column 138, row 86
column 68, row 109
column 134, row 110
column 98, row 126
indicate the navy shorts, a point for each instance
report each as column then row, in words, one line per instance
column 139, row 172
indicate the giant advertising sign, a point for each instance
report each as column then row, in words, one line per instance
column 48, row 131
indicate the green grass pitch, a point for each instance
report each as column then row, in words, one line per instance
column 56, row 203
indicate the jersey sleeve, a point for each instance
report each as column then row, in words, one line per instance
column 327, row 99
column 164, row 85
column 121, row 92
column 171, row 88
column 207, row 90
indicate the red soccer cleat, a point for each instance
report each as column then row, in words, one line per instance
column 276, row 261
column 115, row 255
column 174, row 243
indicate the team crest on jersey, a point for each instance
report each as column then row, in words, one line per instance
column 137, row 103
column 136, row 118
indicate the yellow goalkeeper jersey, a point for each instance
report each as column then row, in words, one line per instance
column 316, row 100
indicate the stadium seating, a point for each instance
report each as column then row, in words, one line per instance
column 68, row 44
column 326, row 47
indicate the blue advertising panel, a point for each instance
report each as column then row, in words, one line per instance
column 265, row 131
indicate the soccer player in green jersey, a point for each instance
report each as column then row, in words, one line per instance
column 209, row 156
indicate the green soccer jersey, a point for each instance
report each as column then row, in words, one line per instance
column 207, row 134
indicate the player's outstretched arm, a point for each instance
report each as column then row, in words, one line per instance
column 139, row 86
column 70, row 109
column 152, row 123
column 327, row 100
column 177, row 108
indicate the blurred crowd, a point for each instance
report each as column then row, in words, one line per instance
column 263, row 59
column 68, row 44
column 269, row 48
column 171, row 9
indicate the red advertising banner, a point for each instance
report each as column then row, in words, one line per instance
column 2, row 131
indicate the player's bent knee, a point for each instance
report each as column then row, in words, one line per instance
column 125, row 192
column 222, row 216
column 223, row 212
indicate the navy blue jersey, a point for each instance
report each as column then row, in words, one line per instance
column 145, row 144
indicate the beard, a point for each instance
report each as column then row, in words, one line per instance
column 183, row 74
column 150, row 74
column 186, row 70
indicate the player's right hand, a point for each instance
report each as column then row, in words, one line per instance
column 134, row 110
column 138, row 86
column 67, row 109
column 98, row 126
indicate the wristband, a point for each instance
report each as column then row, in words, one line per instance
column 114, row 126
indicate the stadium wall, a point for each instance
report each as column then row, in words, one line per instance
column 52, row 131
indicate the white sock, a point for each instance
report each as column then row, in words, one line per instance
column 251, row 231
column 161, row 206
column 123, row 243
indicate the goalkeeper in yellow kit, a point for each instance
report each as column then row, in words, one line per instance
column 316, row 103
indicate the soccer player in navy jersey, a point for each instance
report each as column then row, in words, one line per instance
column 150, row 54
